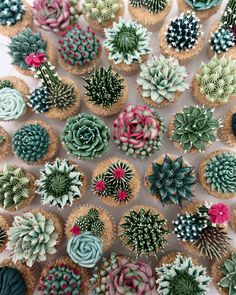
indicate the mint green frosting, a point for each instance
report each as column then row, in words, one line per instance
column 228, row 270
column 202, row 4
column 85, row 249
column 12, row 104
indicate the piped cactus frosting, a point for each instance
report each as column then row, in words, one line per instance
column 11, row 12
column 153, row 6
column 222, row 40
column 2, row 236
column 229, row 15
column 39, row 100
column 12, row 281
column 228, row 270
column 6, row 84
column 202, row 4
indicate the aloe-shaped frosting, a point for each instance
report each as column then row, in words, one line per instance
column 228, row 269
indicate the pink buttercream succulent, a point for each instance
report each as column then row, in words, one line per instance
column 219, row 213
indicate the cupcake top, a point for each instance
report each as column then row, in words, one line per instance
column 124, row 275
column 194, row 128
column 11, row 12
column 217, row 79
column 228, row 17
column 202, row 4
column 39, row 100
column 160, row 79
column 227, row 270
column 11, row 281
column 85, row 136
column 127, row 42
column 138, row 131
column 151, row 6
column 182, row 276
column 222, row 40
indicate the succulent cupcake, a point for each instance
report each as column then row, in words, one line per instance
column 61, row 183
column 202, row 229
column 217, row 174
column 143, row 231
column 138, row 131
column 5, row 143
column 178, row 274
column 15, row 15
column 194, row 129
column 214, row 84
column 25, row 43
column 182, row 38
column 161, row 81
column 64, row 277
column 150, row 14
column 170, row 180
column 227, row 133
column 13, row 98
column 34, row 236
column 116, row 181
column 56, row 16
column 5, row 222
column 122, row 273
column 35, row 143
column 85, row 137
column 127, row 46
column 79, row 50
column 106, row 92
column 58, row 98
column 101, row 14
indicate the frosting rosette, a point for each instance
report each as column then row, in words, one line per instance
column 138, row 130
column 85, row 249
column 12, row 104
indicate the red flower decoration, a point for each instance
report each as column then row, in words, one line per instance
column 122, row 195
column 35, row 59
column 219, row 213
column 119, row 173
column 75, row 230
column 100, row 186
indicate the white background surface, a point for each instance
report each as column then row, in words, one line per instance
column 88, row 166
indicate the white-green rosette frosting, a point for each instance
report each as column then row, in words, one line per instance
column 12, row 104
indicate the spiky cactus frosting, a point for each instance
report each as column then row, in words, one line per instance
column 228, row 17
column 12, row 281
column 182, row 277
column 6, row 84
column 228, row 271
column 222, row 40
column 203, row 4
column 39, row 100
column 153, row 6
column 11, row 12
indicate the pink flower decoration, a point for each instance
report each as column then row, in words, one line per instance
column 35, row 59
column 122, row 195
column 100, row 186
column 219, row 213
column 75, row 230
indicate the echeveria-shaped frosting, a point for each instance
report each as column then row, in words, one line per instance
column 194, row 128
column 202, row 4
column 153, row 6
column 222, row 40
column 11, row 281
column 31, row 238
column 138, row 130
column 85, row 136
column 228, row 269
column 182, row 277
column 127, row 42
column 85, row 249
column 220, row 173
column 161, row 78
column 12, row 104
column 11, row 12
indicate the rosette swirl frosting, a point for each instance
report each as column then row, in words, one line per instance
column 85, row 249
column 203, row 4
column 12, row 104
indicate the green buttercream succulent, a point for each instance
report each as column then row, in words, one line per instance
column 222, row 40
column 217, row 79
column 161, row 78
column 202, row 4
column 228, row 269
column 11, row 12
column 194, row 128
column 59, row 184
column 31, row 238
column 153, row 6
column 228, row 17
column 85, row 136
column 220, row 173
column 2, row 237
column 5, row 84
column 39, row 100
column 14, row 187
column 182, row 277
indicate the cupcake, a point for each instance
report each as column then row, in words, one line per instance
column 35, row 143
column 178, row 274
column 15, row 15
column 34, row 236
column 122, row 273
column 17, row 188
column 85, row 137
column 5, row 222
column 182, row 38
column 61, row 183
column 25, row 43
column 161, row 81
column 227, row 133
column 127, row 46
column 233, row 217
column 138, row 131
column 106, row 92
column 79, row 50
column 101, row 14
column 143, row 231
column 217, row 174
column 16, row 278
column 202, row 229
column 116, row 181
column 13, row 98
column 214, row 84
column 150, row 14
column 194, row 129
column 5, row 143
column 63, row 276
column 58, row 98
column 170, row 180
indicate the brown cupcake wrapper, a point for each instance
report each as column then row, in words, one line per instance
column 170, row 257
column 225, row 133
column 233, row 217
column 5, row 146
column 5, row 223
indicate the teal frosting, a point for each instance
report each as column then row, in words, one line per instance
column 85, row 249
column 12, row 104
column 203, row 4
column 11, row 282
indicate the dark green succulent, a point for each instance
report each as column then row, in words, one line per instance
column 11, row 12
column 222, row 40
column 228, row 17
column 228, row 269
column 39, row 100
column 151, row 5
column 2, row 236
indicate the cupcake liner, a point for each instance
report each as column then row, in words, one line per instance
column 225, row 133
column 170, row 257
column 5, row 146
column 109, row 234
column 233, row 217
column 134, row 183
column 5, row 223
